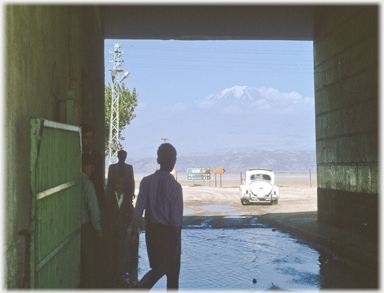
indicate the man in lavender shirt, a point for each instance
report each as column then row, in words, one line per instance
column 161, row 197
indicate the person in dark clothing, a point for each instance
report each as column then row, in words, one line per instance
column 119, row 210
column 97, row 178
column 161, row 197
column 122, row 169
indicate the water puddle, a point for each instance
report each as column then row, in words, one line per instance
column 187, row 211
column 235, row 216
column 255, row 259
column 218, row 208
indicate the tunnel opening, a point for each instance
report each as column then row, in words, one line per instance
column 232, row 104
column 212, row 100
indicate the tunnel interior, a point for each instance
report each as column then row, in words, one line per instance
column 63, row 46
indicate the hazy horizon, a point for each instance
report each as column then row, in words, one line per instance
column 181, row 85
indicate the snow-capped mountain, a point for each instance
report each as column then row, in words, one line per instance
column 243, row 93
column 240, row 118
column 257, row 95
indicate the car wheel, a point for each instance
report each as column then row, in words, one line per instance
column 244, row 202
column 274, row 202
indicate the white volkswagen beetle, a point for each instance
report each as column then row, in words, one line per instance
column 259, row 185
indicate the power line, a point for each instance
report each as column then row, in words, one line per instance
column 231, row 69
column 267, row 66
column 211, row 60
column 215, row 50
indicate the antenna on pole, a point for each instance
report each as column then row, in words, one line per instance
column 165, row 139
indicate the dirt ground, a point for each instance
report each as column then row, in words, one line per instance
column 297, row 194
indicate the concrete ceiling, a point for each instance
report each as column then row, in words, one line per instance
column 199, row 22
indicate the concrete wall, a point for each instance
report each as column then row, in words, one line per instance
column 346, row 105
column 50, row 50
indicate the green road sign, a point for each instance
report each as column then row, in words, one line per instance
column 199, row 174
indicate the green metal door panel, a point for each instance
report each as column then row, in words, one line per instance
column 57, row 217
column 56, row 204
column 60, row 271
column 57, row 150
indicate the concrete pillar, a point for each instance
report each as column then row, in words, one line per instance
column 346, row 105
column 50, row 51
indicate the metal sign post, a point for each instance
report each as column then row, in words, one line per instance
column 218, row 171
column 310, row 183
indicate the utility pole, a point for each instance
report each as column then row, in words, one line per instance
column 310, row 181
column 113, row 144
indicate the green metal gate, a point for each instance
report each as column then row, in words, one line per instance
column 56, row 204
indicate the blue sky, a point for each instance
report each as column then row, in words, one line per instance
column 174, row 74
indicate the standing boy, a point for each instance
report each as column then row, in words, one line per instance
column 119, row 211
column 90, row 224
column 161, row 197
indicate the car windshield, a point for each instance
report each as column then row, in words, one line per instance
column 260, row 177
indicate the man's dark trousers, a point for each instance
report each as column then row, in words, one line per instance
column 163, row 247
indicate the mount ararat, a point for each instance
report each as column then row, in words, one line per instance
column 237, row 119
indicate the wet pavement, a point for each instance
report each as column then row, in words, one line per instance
column 227, row 246
column 257, row 259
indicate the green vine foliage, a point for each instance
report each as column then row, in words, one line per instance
column 127, row 105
